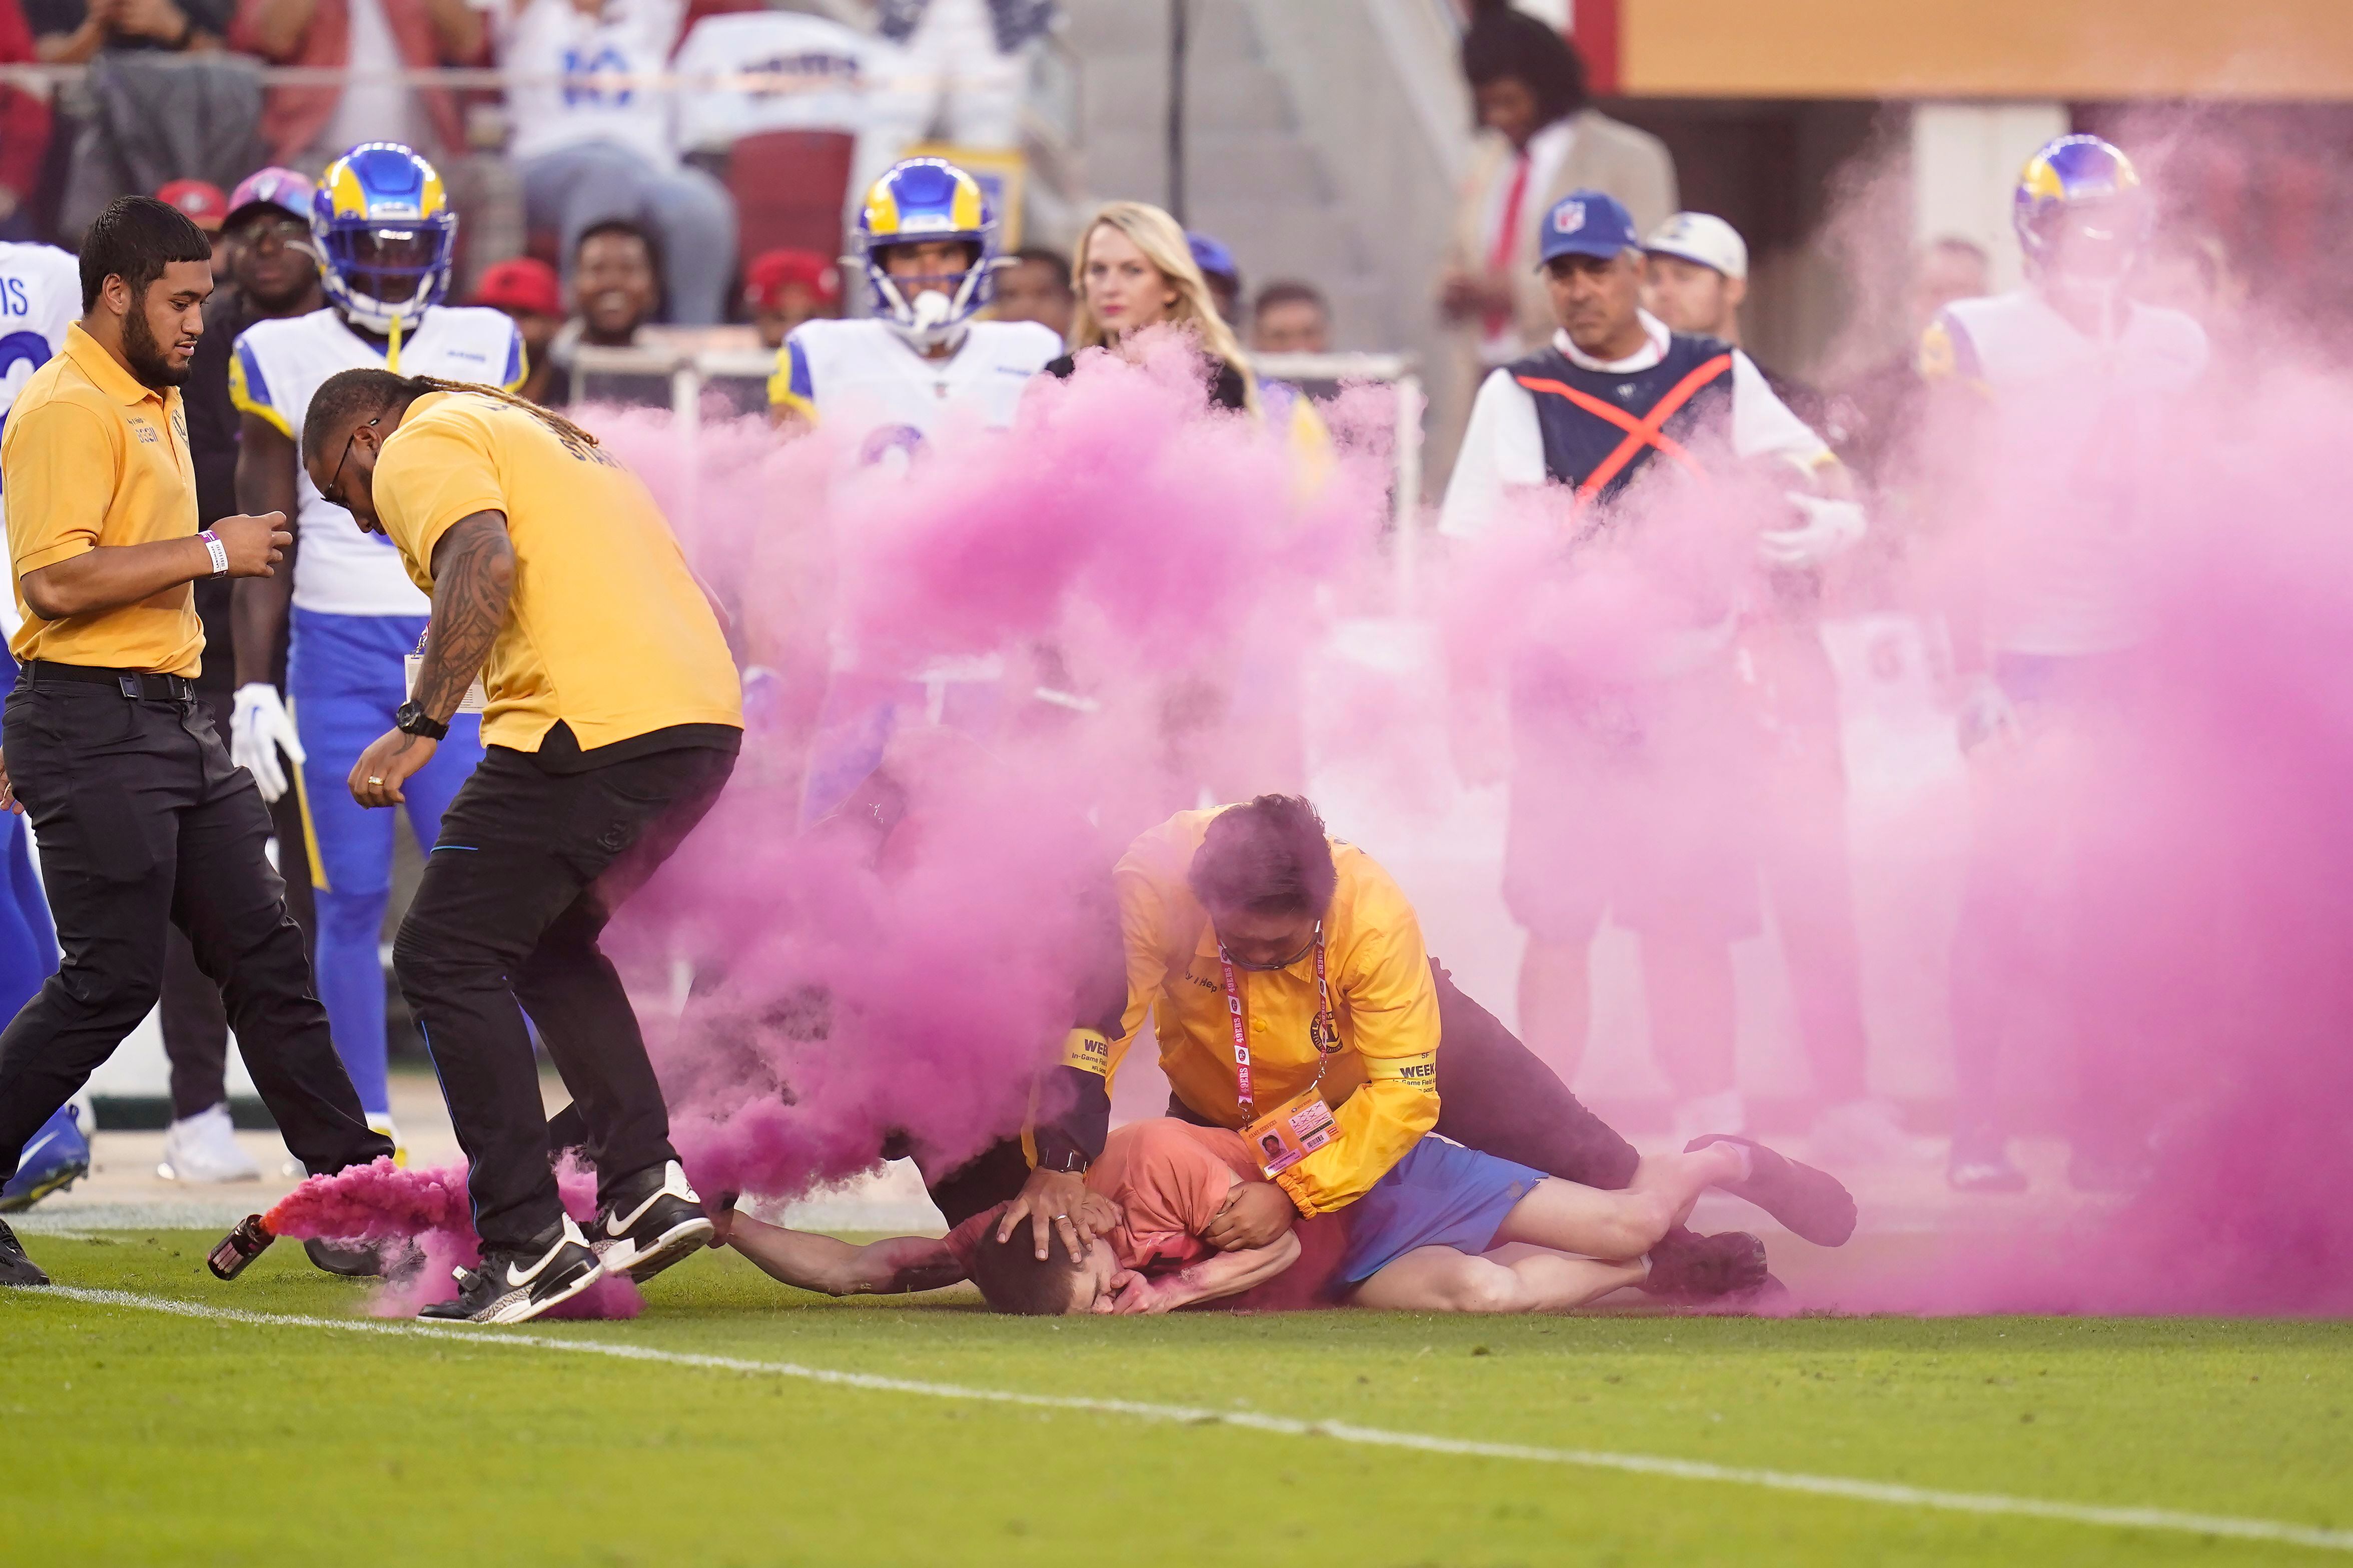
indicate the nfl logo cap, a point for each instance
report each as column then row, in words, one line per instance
column 1588, row 223
column 1703, row 237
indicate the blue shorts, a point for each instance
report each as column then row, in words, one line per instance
column 1440, row 1194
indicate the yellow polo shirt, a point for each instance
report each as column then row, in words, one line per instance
column 607, row 630
column 1384, row 1078
column 92, row 458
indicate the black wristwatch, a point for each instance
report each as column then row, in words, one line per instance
column 411, row 720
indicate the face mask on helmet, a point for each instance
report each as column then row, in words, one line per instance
column 393, row 266
column 928, row 305
column 926, row 201
column 387, row 238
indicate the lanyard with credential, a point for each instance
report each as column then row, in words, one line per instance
column 1323, row 1033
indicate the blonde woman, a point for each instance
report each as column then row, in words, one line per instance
column 1133, row 270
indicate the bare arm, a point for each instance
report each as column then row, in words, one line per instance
column 75, row 48
column 1227, row 1274
column 108, row 576
column 890, row 1267
column 473, row 582
column 275, row 27
column 257, row 606
column 457, row 25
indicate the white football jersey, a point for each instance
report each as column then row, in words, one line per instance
column 338, row 570
column 861, row 379
column 2078, row 449
column 40, row 297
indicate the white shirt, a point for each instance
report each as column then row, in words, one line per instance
column 1502, row 447
column 40, row 297
column 277, row 368
column 552, row 39
column 793, row 73
column 1546, row 151
column 2079, row 434
column 375, row 106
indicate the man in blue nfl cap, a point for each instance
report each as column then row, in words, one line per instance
column 1613, row 397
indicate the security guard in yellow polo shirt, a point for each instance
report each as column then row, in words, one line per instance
column 1293, row 999
column 1281, row 967
column 141, row 815
column 612, row 719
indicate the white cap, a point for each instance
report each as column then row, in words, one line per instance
column 1703, row 237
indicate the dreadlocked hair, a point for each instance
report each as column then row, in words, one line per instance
column 353, row 393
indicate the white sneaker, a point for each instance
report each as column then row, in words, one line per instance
column 202, row 1148
column 1867, row 1132
column 1725, row 1112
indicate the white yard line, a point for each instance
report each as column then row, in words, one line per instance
column 1986, row 1503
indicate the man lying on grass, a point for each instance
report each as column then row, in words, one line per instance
column 1454, row 1231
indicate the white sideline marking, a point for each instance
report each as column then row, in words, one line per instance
column 1340, row 1431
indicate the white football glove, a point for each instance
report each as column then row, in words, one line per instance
column 259, row 730
column 1831, row 527
column 1985, row 712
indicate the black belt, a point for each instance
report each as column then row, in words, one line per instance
column 132, row 683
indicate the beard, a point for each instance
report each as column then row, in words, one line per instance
column 149, row 366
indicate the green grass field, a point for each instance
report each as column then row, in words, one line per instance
column 137, row 1437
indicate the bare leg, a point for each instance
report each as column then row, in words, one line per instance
column 1508, row 1280
column 1556, row 1001
column 1567, row 1218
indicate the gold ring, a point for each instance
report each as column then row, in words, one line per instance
column 372, row 779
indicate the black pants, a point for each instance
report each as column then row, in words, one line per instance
column 528, row 868
column 144, row 825
column 195, row 1024
column 1497, row 1096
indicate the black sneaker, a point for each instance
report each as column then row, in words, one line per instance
column 1814, row 1203
column 351, row 1259
column 1980, row 1162
column 16, row 1268
column 651, row 1221
column 1686, row 1267
column 516, row 1287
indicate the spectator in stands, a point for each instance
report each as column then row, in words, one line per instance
column 206, row 206
column 616, row 283
column 310, row 126
column 782, row 288
column 265, row 245
column 1220, row 272
column 528, row 291
column 592, row 148
column 1538, row 139
column 24, row 128
column 69, row 32
column 1036, row 288
column 1290, row 317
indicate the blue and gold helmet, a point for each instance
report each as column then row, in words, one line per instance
column 926, row 199
column 2081, row 183
column 386, row 234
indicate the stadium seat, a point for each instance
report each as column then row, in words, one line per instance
column 789, row 187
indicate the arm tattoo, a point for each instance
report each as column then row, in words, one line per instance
column 473, row 580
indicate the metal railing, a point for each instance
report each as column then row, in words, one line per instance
column 689, row 372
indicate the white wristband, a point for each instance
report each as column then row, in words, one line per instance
column 217, row 551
